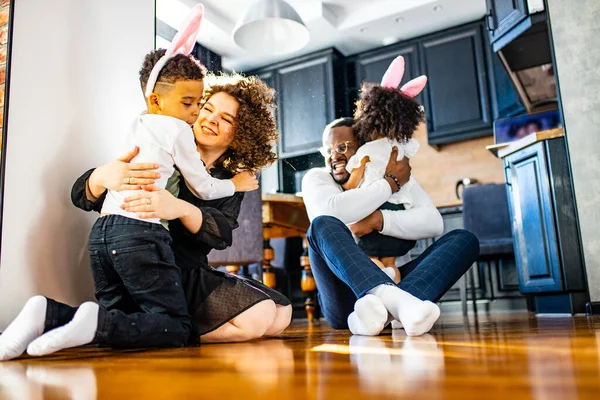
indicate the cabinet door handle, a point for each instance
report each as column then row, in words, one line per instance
column 506, row 176
column 489, row 21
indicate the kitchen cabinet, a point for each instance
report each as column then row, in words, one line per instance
column 544, row 226
column 310, row 94
column 456, row 97
column 503, row 15
column 467, row 87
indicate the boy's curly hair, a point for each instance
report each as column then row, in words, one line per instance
column 256, row 131
column 178, row 68
column 385, row 112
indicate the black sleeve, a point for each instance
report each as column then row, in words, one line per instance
column 79, row 198
column 218, row 224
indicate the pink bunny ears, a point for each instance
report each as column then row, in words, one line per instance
column 393, row 76
column 183, row 43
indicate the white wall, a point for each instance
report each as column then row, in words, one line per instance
column 74, row 85
column 575, row 31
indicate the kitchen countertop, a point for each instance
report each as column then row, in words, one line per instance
column 504, row 149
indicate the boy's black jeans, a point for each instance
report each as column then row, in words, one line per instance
column 137, row 284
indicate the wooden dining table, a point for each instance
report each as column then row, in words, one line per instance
column 284, row 216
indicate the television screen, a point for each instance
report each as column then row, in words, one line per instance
column 514, row 128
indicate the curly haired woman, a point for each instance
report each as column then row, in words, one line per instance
column 235, row 131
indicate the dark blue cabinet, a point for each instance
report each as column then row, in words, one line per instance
column 371, row 66
column 544, row 227
column 310, row 94
column 467, row 89
column 456, row 98
column 532, row 214
column 503, row 15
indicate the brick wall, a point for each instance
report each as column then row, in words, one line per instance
column 4, row 12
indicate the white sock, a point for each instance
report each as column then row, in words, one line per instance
column 81, row 330
column 416, row 316
column 369, row 316
column 396, row 324
column 28, row 325
column 389, row 271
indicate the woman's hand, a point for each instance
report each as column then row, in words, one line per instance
column 120, row 174
column 373, row 222
column 156, row 203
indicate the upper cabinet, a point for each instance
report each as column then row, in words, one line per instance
column 503, row 15
column 466, row 91
column 371, row 66
column 459, row 98
column 456, row 97
column 309, row 96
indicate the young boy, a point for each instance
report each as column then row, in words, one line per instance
column 131, row 258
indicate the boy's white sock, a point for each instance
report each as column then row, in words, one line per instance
column 81, row 330
column 416, row 316
column 28, row 325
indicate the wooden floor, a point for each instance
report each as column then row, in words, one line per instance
column 494, row 357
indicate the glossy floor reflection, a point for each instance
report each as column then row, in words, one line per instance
column 498, row 356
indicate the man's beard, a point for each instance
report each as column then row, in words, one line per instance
column 340, row 181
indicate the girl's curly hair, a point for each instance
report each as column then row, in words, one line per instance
column 256, row 131
column 385, row 112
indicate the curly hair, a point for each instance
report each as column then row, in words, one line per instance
column 178, row 68
column 256, row 131
column 385, row 112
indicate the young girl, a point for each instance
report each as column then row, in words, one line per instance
column 386, row 117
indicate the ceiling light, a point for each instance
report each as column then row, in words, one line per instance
column 271, row 27
column 389, row 40
column 438, row 8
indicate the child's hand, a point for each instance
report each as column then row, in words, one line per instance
column 245, row 181
column 364, row 161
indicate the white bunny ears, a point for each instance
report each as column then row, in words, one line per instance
column 393, row 76
column 183, row 43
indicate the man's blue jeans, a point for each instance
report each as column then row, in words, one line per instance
column 344, row 273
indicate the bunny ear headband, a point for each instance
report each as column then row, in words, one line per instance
column 183, row 43
column 393, row 76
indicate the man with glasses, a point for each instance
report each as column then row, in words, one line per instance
column 353, row 292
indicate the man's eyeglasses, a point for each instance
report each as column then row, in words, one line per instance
column 340, row 148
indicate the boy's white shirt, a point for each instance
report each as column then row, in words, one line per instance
column 169, row 142
column 379, row 153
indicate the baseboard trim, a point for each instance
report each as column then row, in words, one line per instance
column 592, row 308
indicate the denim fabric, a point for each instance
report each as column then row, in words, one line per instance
column 137, row 285
column 378, row 245
column 344, row 273
column 57, row 314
